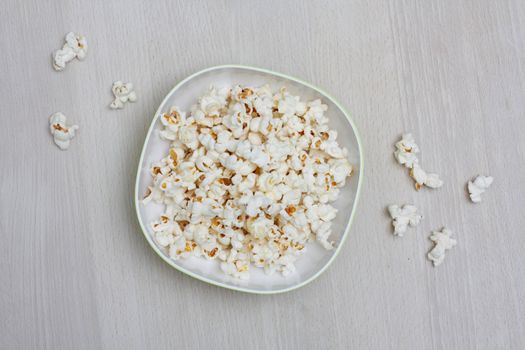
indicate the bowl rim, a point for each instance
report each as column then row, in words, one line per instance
column 171, row 262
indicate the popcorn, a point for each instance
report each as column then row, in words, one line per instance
column 153, row 193
column 340, row 169
column 214, row 101
column 230, row 162
column 201, row 119
column 267, row 181
column 254, row 203
column 322, row 234
column 443, row 241
column 291, row 197
column 326, row 212
column 290, row 105
column 253, row 153
column 225, row 142
column 286, row 262
column 171, row 122
column 264, row 255
column 405, row 154
column 207, row 141
column 208, row 208
column 258, row 226
column 316, row 111
column 236, row 120
column 329, row 196
column 406, row 151
column 188, row 135
column 204, row 164
column 248, row 180
column 75, row 47
column 478, row 186
column 179, row 248
column 333, row 149
column 422, row 178
column 402, row 217
column 77, row 43
column 123, row 93
column 247, row 184
column 62, row 134
column 255, row 138
column 164, row 238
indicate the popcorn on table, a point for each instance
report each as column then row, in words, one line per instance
column 478, row 186
column 405, row 154
column 406, row 150
column 443, row 241
column 123, row 93
column 402, row 217
column 423, row 179
column 75, row 47
column 62, row 134
column 248, row 179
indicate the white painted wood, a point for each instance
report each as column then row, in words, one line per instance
column 76, row 271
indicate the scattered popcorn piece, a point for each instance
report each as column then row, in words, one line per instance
column 247, row 180
column 443, row 241
column 405, row 154
column 406, row 151
column 478, row 186
column 75, row 47
column 62, row 134
column 402, row 217
column 422, row 178
column 123, row 93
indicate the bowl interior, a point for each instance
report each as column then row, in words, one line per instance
column 315, row 259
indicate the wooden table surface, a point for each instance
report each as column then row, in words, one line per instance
column 75, row 270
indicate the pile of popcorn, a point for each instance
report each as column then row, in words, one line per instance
column 248, row 179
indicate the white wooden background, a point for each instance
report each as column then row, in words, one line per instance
column 75, row 270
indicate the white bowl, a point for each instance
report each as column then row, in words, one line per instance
column 316, row 259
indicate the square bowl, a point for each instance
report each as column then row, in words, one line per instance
column 315, row 259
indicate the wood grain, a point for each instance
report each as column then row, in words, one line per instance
column 75, row 269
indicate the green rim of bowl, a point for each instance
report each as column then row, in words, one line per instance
column 219, row 284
